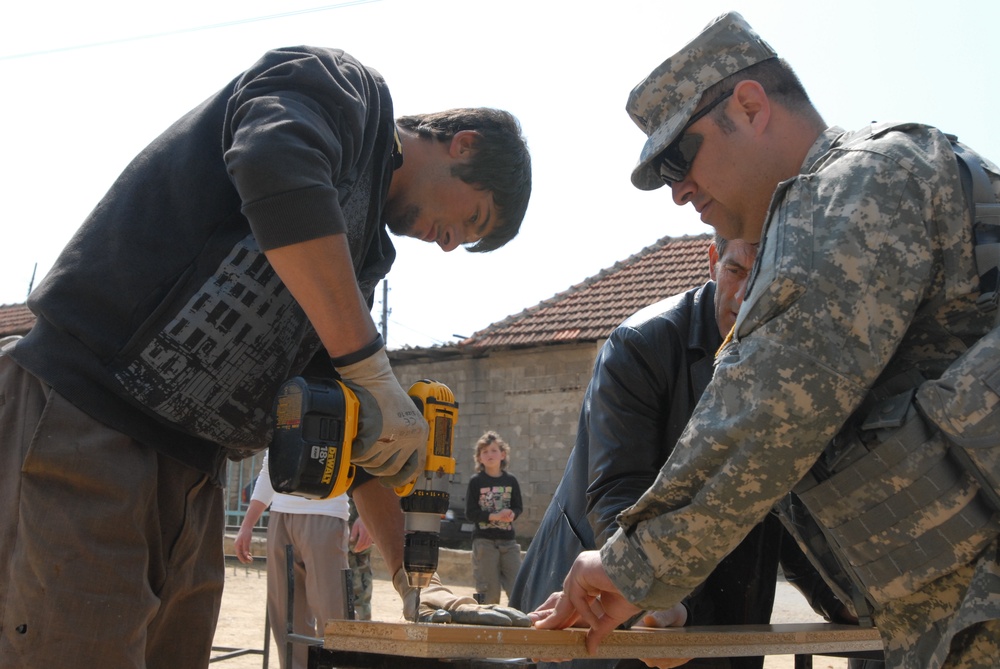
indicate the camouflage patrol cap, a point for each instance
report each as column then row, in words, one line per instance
column 667, row 98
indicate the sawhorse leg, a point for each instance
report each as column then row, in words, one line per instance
column 265, row 652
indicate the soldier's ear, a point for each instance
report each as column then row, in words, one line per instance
column 752, row 104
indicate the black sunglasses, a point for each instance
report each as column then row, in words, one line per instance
column 676, row 159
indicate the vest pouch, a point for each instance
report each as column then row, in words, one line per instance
column 965, row 405
column 899, row 512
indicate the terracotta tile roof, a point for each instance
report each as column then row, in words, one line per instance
column 590, row 310
column 15, row 319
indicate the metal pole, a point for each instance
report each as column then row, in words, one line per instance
column 289, row 628
column 348, row 577
column 290, row 635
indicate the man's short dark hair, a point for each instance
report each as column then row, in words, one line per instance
column 776, row 77
column 500, row 163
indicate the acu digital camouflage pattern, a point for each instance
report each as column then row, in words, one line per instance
column 865, row 271
column 360, row 564
column 965, row 404
column 664, row 102
column 362, row 585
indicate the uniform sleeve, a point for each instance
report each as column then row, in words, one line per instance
column 840, row 276
column 298, row 125
column 630, row 401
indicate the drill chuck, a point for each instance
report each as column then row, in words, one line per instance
column 422, row 511
column 420, row 558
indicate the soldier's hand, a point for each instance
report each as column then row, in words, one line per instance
column 392, row 433
column 589, row 596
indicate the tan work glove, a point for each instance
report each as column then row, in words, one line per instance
column 438, row 604
column 392, row 433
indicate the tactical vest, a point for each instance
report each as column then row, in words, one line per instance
column 870, row 500
column 964, row 403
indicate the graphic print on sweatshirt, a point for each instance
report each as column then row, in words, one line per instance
column 493, row 499
column 215, row 367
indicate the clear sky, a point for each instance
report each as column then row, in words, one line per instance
column 86, row 85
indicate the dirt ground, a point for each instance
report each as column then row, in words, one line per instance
column 241, row 622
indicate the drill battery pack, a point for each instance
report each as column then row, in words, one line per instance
column 316, row 421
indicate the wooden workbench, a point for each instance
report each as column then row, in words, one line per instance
column 421, row 640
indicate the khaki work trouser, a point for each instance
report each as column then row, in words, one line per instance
column 319, row 559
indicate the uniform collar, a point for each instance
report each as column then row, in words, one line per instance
column 820, row 148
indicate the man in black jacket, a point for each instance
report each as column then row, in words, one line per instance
column 646, row 381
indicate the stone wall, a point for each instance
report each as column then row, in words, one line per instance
column 531, row 397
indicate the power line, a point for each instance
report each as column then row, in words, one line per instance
column 434, row 339
column 181, row 31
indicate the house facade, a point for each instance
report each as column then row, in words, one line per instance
column 525, row 376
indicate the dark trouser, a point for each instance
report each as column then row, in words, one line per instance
column 110, row 554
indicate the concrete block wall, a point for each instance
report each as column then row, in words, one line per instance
column 531, row 397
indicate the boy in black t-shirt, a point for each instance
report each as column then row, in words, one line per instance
column 492, row 502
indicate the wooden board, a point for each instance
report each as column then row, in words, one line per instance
column 474, row 641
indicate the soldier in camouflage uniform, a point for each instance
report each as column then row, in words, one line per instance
column 865, row 283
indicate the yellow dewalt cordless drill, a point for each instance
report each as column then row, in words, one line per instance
column 316, row 420
column 425, row 500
